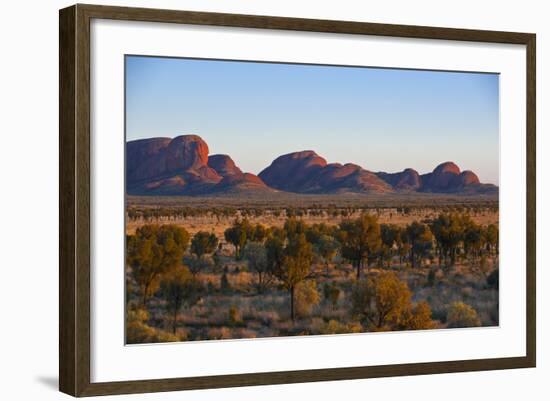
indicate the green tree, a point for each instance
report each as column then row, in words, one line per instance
column 420, row 238
column 448, row 232
column 440, row 228
column 294, row 227
column 274, row 246
column 238, row 234
column 404, row 247
column 473, row 241
column 179, row 287
column 256, row 257
column 327, row 247
column 314, row 232
column 390, row 236
column 152, row 251
column 491, row 238
column 258, row 233
column 293, row 265
column 203, row 243
column 359, row 238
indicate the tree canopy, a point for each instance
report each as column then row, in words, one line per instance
column 152, row 251
column 384, row 302
column 359, row 238
column 203, row 243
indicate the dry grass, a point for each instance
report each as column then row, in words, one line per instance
column 241, row 312
column 219, row 225
column 389, row 208
column 268, row 314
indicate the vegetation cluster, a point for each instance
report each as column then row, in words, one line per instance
column 359, row 275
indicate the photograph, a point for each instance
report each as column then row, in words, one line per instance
column 275, row 199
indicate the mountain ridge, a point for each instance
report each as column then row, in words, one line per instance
column 183, row 166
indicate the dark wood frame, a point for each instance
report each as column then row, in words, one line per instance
column 74, row 199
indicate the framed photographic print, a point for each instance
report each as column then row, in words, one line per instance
column 250, row 200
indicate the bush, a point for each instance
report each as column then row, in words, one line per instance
column 335, row 327
column 306, row 297
column 138, row 332
column 196, row 264
column 418, row 318
column 381, row 301
column 219, row 333
column 151, row 252
column 234, row 315
column 384, row 303
column 462, row 315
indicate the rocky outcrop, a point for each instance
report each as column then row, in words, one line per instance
column 467, row 178
column 182, row 166
column 447, row 178
column 169, row 166
column 293, row 172
column 239, row 183
column 406, row 180
column 224, row 165
column 234, row 180
column 307, row 172
column 441, row 179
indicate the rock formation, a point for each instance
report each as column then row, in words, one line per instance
column 183, row 166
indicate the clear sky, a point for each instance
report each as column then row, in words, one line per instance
column 381, row 119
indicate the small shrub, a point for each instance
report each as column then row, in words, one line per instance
column 138, row 331
column 306, row 297
column 234, row 315
column 219, row 333
column 335, row 327
column 245, row 333
column 381, row 301
column 462, row 315
column 418, row 317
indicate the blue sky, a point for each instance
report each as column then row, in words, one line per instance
column 381, row 119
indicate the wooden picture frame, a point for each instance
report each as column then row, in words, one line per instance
column 74, row 203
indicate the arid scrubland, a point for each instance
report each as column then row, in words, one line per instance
column 212, row 270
